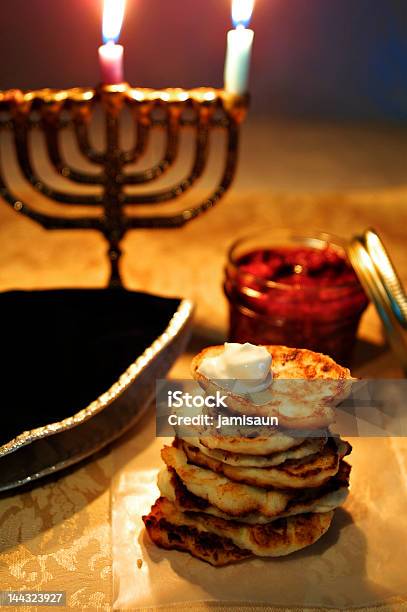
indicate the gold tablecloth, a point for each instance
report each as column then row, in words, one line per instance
column 57, row 536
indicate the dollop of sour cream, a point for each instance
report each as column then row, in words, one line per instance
column 245, row 368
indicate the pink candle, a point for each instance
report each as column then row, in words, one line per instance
column 110, row 53
column 111, row 63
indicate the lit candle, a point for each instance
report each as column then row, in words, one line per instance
column 111, row 54
column 239, row 49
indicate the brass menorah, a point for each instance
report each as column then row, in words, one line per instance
column 172, row 110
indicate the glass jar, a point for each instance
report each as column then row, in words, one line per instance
column 296, row 289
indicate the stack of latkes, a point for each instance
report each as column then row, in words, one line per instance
column 268, row 493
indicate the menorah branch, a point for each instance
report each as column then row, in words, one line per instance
column 170, row 154
column 142, row 130
column 21, row 129
column 53, row 133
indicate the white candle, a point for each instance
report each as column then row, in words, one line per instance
column 110, row 53
column 239, row 48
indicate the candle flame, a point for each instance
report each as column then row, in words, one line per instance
column 113, row 14
column 242, row 11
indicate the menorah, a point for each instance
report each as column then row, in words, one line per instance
column 171, row 110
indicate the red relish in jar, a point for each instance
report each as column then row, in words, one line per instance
column 301, row 292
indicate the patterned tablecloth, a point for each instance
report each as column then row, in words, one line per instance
column 57, row 536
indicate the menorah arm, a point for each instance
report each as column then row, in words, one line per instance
column 20, row 126
column 201, row 154
column 142, row 130
column 52, row 134
column 46, row 221
column 81, row 129
column 182, row 218
column 170, row 154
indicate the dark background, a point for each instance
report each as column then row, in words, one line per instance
column 327, row 58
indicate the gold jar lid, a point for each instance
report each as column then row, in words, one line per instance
column 382, row 284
